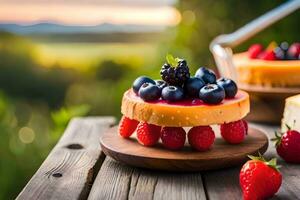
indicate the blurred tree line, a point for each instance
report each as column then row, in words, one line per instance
column 202, row 21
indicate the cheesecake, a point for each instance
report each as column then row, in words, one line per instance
column 271, row 73
column 181, row 106
column 185, row 113
column 275, row 66
column 291, row 114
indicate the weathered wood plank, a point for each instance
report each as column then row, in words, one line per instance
column 118, row 181
column 70, row 168
column 224, row 184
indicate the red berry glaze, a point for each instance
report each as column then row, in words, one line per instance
column 294, row 51
column 147, row 134
column 259, row 179
column 173, row 137
column 254, row 50
column 288, row 146
column 201, row 138
column 127, row 126
column 267, row 55
column 233, row 132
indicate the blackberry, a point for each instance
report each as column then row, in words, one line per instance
column 175, row 71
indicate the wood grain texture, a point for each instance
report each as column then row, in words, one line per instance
column 224, row 184
column 118, row 181
column 70, row 168
column 221, row 155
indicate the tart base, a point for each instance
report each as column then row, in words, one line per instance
column 221, row 155
column 186, row 113
column 275, row 73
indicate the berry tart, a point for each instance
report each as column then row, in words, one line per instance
column 274, row 66
column 181, row 108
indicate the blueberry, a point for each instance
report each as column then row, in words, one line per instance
column 212, row 94
column 192, row 86
column 207, row 75
column 140, row 81
column 172, row 93
column 284, row 46
column 149, row 92
column 229, row 86
column 279, row 53
column 161, row 84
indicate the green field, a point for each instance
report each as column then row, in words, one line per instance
column 85, row 55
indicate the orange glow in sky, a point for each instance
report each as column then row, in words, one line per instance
column 76, row 14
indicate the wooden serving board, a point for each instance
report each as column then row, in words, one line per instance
column 222, row 155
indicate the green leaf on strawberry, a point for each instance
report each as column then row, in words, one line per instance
column 272, row 163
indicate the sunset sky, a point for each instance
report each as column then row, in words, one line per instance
column 89, row 12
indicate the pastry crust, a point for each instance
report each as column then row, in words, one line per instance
column 176, row 115
column 277, row 73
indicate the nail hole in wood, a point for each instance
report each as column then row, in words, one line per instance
column 57, row 175
column 74, row 146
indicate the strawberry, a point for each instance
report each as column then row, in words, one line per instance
column 254, row 50
column 259, row 179
column 201, row 138
column 233, row 132
column 147, row 134
column 288, row 145
column 173, row 137
column 127, row 126
column 267, row 55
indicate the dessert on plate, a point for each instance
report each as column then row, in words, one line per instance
column 181, row 106
column 291, row 114
column 275, row 66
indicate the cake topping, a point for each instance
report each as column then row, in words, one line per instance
column 161, row 84
column 149, row 92
column 177, row 84
column 140, row 81
column 172, row 93
column 192, row 86
column 212, row 94
column 294, row 51
column 229, row 86
column 175, row 71
column 207, row 75
column 275, row 51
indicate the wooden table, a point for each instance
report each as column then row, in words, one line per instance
column 77, row 169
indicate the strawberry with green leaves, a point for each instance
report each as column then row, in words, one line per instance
column 259, row 179
column 288, row 145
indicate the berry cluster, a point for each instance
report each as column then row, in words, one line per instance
column 275, row 52
column 177, row 84
column 201, row 138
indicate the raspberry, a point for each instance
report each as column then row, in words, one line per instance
column 173, row 137
column 127, row 126
column 255, row 50
column 294, row 51
column 267, row 55
column 233, row 132
column 201, row 138
column 148, row 134
column 245, row 125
